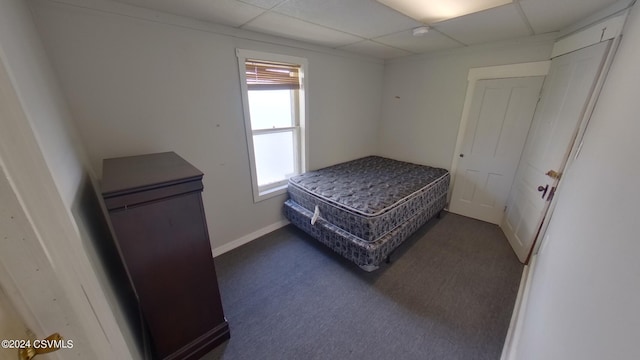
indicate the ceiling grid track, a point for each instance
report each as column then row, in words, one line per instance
column 448, row 36
column 524, row 17
column 371, row 28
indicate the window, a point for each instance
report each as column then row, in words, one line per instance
column 274, row 104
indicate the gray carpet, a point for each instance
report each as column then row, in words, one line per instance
column 448, row 294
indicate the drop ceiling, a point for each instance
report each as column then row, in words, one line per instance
column 370, row 28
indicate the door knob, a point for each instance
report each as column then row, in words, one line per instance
column 543, row 189
column 50, row 344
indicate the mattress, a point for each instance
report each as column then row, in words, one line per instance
column 371, row 196
column 366, row 254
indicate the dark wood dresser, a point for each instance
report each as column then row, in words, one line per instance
column 155, row 207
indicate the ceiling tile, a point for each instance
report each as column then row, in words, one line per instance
column 347, row 23
column 285, row 26
column 553, row 15
column 365, row 18
column 265, row 4
column 431, row 41
column 504, row 22
column 374, row 49
column 226, row 12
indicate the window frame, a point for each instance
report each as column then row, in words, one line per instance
column 300, row 131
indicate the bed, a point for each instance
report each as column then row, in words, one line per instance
column 365, row 208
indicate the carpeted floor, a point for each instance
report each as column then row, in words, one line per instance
column 448, row 294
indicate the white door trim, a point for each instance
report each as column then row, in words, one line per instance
column 539, row 68
column 605, row 30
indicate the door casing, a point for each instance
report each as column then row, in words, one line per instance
column 539, row 68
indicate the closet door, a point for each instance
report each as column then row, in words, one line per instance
column 499, row 119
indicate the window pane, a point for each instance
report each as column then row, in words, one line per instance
column 274, row 156
column 270, row 109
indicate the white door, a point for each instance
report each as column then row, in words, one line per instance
column 565, row 95
column 31, row 304
column 49, row 291
column 11, row 327
column 499, row 119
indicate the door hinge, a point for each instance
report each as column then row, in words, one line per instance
column 505, row 209
column 551, row 193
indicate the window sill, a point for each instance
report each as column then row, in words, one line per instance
column 268, row 194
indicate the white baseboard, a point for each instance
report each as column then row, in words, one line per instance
column 509, row 350
column 248, row 238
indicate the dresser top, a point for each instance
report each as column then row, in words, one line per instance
column 136, row 173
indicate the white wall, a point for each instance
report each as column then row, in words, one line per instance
column 585, row 292
column 423, row 97
column 42, row 100
column 137, row 85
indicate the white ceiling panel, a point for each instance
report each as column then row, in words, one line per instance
column 365, row 18
column 265, row 4
column 500, row 23
column 226, row 12
column 553, row 15
column 285, row 26
column 431, row 41
column 374, row 49
column 348, row 23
